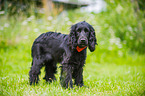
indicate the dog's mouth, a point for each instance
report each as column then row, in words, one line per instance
column 82, row 45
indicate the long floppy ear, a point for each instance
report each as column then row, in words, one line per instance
column 72, row 38
column 92, row 39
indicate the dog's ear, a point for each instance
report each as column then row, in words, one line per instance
column 92, row 39
column 72, row 37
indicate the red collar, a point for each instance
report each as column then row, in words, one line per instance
column 80, row 49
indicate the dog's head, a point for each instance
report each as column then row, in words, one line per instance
column 82, row 35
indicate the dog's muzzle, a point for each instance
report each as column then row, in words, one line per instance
column 82, row 41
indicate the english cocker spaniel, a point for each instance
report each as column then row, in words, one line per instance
column 69, row 50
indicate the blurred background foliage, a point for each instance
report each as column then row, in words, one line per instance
column 122, row 20
column 128, row 23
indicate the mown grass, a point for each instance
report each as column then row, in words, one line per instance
column 125, row 78
column 113, row 69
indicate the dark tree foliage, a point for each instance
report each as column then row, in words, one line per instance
column 13, row 7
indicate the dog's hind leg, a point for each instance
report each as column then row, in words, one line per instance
column 35, row 70
column 50, row 68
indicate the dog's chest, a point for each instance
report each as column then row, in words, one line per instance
column 78, row 58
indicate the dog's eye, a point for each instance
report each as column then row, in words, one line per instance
column 79, row 30
column 86, row 30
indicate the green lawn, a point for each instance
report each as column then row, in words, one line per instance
column 124, row 78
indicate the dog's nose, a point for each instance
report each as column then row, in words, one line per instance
column 82, row 40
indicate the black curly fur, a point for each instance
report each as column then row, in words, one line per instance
column 51, row 48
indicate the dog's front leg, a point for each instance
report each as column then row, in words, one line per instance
column 66, row 76
column 78, row 76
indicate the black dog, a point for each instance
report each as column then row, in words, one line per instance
column 69, row 50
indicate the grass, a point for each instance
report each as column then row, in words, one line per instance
column 125, row 78
column 113, row 69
